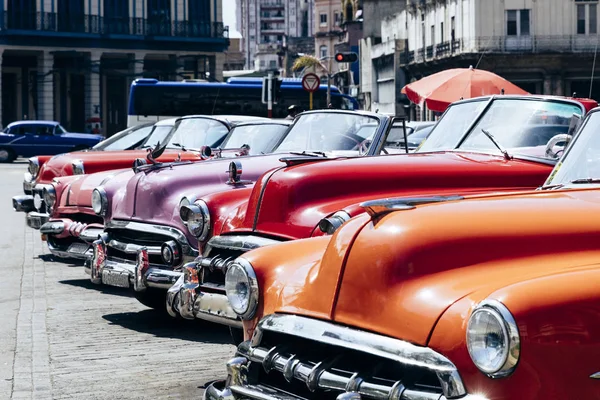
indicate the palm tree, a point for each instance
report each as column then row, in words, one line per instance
column 308, row 61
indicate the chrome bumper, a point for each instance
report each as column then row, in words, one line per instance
column 35, row 219
column 124, row 273
column 23, row 203
column 185, row 299
column 77, row 250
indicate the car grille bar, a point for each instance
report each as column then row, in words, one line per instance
column 284, row 348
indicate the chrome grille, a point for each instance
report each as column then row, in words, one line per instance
column 220, row 252
column 306, row 358
column 125, row 239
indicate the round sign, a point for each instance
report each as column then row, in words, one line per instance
column 311, row 82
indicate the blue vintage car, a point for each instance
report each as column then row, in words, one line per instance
column 30, row 138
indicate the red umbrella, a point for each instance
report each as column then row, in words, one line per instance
column 441, row 89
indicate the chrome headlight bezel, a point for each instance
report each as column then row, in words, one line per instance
column 499, row 314
column 196, row 217
column 100, row 201
column 34, row 167
column 49, row 195
column 240, row 272
column 78, row 168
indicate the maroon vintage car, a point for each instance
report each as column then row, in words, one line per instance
column 502, row 143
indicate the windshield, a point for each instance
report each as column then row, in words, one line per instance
column 125, row 140
column 330, row 132
column 60, row 130
column 159, row 133
column 452, row 126
column 194, row 133
column 260, row 138
column 519, row 126
column 582, row 161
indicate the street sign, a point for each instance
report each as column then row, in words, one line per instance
column 311, row 82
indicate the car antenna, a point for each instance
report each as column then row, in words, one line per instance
column 593, row 68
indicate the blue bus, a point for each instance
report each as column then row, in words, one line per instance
column 151, row 100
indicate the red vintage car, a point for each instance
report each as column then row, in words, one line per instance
column 488, row 298
column 180, row 146
column 503, row 143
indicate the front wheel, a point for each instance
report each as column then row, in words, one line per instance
column 6, row 155
column 153, row 298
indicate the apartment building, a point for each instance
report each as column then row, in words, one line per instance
column 545, row 47
column 74, row 60
column 266, row 25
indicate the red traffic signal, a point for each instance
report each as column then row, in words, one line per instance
column 346, row 57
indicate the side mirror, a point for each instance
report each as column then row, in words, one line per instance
column 205, row 152
column 576, row 122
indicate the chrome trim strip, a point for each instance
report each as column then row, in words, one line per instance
column 238, row 242
column 383, row 206
column 174, row 233
column 90, row 234
column 131, row 248
column 53, row 227
column 377, row 345
column 595, row 376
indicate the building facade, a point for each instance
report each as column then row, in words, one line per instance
column 266, row 25
column 545, row 47
column 74, row 60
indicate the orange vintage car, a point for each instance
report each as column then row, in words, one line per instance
column 489, row 298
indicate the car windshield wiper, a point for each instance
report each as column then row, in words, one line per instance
column 493, row 140
column 180, row 146
column 553, row 187
column 309, row 153
column 584, row 181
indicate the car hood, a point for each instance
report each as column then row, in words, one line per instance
column 404, row 269
column 294, row 199
column 97, row 161
column 80, row 190
column 153, row 195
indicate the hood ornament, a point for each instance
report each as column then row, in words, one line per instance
column 596, row 375
column 153, row 154
column 383, row 206
column 235, row 174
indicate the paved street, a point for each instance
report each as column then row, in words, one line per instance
column 63, row 338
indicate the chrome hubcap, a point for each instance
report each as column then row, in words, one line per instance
column 3, row 155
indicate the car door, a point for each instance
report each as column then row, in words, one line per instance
column 59, row 141
column 36, row 140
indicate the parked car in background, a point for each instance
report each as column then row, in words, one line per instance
column 182, row 143
column 473, row 148
column 494, row 297
column 30, row 138
column 73, row 225
column 141, row 211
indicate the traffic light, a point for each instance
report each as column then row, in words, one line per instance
column 346, row 57
column 275, row 90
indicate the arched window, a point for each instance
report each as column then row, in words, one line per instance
column 349, row 11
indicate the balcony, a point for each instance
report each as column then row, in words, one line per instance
column 89, row 30
column 272, row 4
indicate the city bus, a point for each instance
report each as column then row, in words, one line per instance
column 151, row 100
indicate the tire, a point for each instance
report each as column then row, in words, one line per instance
column 7, row 155
column 153, row 298
column 237, row 335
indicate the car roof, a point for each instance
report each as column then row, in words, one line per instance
column 349, row 112
column 168, row 121
column 33, row 122
column 226, row 118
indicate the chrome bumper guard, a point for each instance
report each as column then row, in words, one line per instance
column 23, row 203
column 124, row 273
column 77, row 250
column 242, row 378
column 35, row 219
column 28, row 183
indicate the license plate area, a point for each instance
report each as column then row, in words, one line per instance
column 115, row 279
column 78, row 248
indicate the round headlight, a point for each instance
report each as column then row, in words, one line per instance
column 197, row 218
column 34, row 166
column 50, row 196
column 241, row 288
column 99, row 201
column 493, row 339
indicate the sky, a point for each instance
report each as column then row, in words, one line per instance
column 229, row 18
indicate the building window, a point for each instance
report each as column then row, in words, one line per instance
column 432, row 35
column 517, row 22
column 323, row 51
column 442, row 32
column 452, row 29
column 581, row 19
column 323, row 19
column 593, row 25
column 272, row 64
